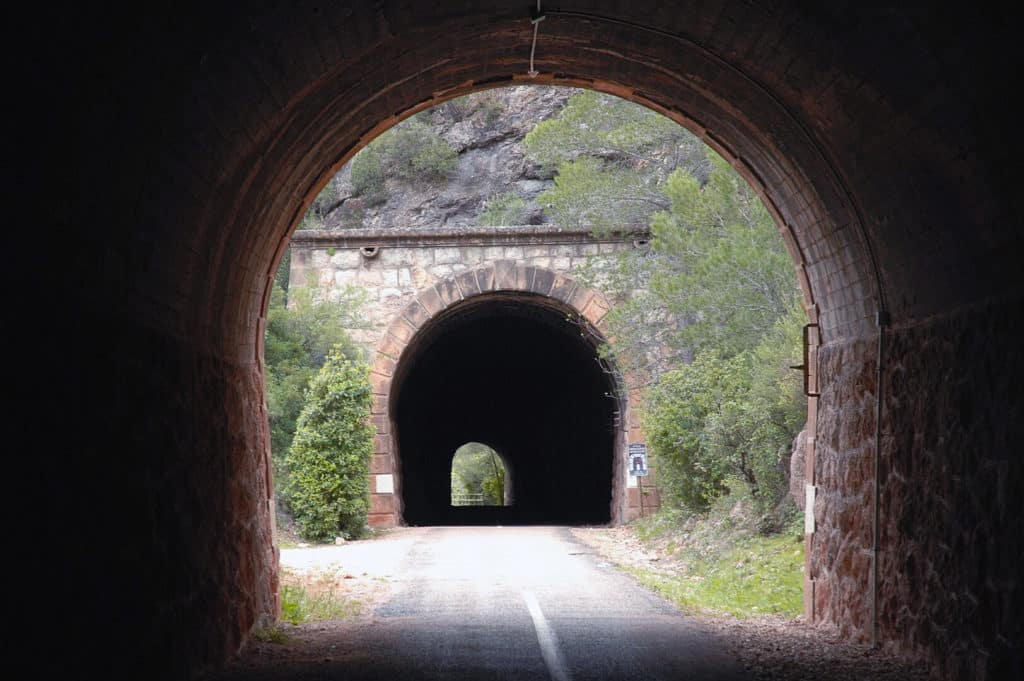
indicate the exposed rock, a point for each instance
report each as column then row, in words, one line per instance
column 486, row 129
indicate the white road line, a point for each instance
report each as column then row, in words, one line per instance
column 548, row 641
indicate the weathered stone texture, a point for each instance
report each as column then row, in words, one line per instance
column 951, row 481
column 840, row 555
column 405, row 265
column 953, row 492
column 185, row 497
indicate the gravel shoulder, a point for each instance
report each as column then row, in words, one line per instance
column 770, row 647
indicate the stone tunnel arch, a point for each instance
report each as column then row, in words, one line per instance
column 551, row 296
column 843, row 116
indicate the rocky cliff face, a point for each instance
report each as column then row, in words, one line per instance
column 486, row 131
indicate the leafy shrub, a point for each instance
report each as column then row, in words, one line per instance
column 301, row 331
column 674, row 418
column 417, row 153
column 328, row 463
column 367, row 173
column 410, row 152
column 321, row 206
column 504, row 209
column 737, row 416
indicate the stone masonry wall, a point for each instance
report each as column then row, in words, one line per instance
column 950, row 503
column 393, row 265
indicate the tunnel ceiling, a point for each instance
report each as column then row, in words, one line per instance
column 522, row 378
column 818, row 125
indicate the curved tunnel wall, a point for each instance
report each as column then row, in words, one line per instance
column 185, row 146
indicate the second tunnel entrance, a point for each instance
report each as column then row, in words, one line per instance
column 519, row 373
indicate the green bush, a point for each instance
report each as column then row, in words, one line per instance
column 366, row 172
column 301, row 331
column 729, row 417
column 410, row 152
column 503, row 209
column 328, row 464
column 321, row 206
column 674, row 418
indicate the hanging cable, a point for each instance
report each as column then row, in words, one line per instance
column 535, row 18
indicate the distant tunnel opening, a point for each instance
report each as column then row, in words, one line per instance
column 480, row 477
column 518, row 373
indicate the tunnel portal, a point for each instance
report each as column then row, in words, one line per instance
column 518, row 373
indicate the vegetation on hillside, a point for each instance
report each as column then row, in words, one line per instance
column 609, row 159
column 410, row 151
column 503, row 209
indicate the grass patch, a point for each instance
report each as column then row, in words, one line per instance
column 314, row 600
column 722, row 564
column 272, row 634
column 760, row 575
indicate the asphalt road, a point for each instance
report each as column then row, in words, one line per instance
column 505, row 603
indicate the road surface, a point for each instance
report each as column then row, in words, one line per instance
column 496, row 603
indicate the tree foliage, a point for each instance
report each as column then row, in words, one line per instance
column 409, row 152
column 732, row 282
column 503, row 209
column 609, row 158
column 731, row 277
column 298, row 338
column 728, row 418
column 329, row 460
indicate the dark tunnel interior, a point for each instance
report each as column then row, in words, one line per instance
column 520, row 376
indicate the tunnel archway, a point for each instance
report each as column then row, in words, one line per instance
column 504, row 354
column 509, row 371
column 492, row 468
column 879, row 138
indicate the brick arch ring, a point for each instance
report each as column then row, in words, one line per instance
column 495, row 277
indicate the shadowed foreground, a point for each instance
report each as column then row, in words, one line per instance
column 536, row 602
column 499, row 603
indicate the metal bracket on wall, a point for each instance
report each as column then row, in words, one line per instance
column 805, row 367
